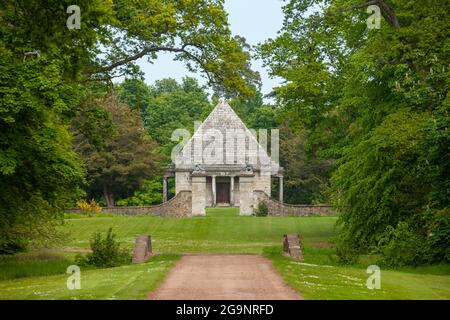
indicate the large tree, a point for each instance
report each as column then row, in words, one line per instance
column 375, row 101
column 170, row 105
column 126, row 155
column 45, row 67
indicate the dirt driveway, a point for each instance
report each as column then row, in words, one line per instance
column 224, row 277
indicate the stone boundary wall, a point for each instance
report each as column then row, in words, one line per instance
column 276, row 208
column 178, row 206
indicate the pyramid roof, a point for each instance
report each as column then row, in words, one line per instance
column 224, row 139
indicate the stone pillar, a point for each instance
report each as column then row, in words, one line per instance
column 142, row 249
column 231, row 190
column 246, row 196
column 213, row 183
column 164, row 189
column 280, row 188
column 198, row 196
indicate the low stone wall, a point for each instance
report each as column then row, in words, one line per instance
column 276, row 208
column 178, row 206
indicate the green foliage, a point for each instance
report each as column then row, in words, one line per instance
column 378, row 176
column 149, row 194
column 13, row 245
column 401, row 246
column 172, row 106
column 195, row 31
column 48, row 72
column 127, row 157
column 374, row 103
column 306, row 175
column 261, row 209
column 106, row 252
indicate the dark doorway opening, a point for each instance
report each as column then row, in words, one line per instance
column 223, row 192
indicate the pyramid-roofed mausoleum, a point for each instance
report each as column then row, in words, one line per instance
column 223, row 163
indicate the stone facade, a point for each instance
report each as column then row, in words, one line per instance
column 222, row 164
column 198, row 196
column 276, row 208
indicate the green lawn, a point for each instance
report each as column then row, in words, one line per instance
column 315, row 280
column 221, row 231
column 319, row 276
column 125, row 282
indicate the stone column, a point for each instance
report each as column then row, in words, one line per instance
column 280, row 188
column 213, row 183
column 198, row 196
column 231, row 190
column 246, row 196
column 164, row 189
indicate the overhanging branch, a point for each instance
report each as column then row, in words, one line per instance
column 145, row 51
column 386, row 10
column 354, row 6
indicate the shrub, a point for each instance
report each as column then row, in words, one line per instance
column 402, row 246
column 89, row 206
column 13, row 246
column 346, row 252
column 261, row 210
column 438, row 235
column 106, row 252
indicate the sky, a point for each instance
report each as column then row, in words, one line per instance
column 255, row 20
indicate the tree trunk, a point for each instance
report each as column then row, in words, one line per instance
column 109, row 197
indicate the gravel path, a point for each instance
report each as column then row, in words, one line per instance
column 224, row 277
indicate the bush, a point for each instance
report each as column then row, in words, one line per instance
column 402, row 246
column 438, row 235
column 13, row 246
column 89, row 206
column 261, row 210
column 106, row 252
column 346, row 252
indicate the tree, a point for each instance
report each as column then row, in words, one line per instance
column 376, row 103
column 135, row 93
column 172, row 106
column 306, row 175
column 126, row 158
column 39, row 172
column 45, row 68
column 196, row 31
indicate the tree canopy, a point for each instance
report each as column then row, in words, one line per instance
column 375, row 102
column 46, row 70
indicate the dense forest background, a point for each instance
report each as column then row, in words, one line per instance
column 363, row 112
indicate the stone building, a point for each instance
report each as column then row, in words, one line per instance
column 223, row 163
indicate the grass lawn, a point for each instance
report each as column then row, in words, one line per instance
column 221, row 231
column 125, row 282
column 315, row 280
column 319, row 276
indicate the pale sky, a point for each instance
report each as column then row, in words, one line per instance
column 255, row 20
